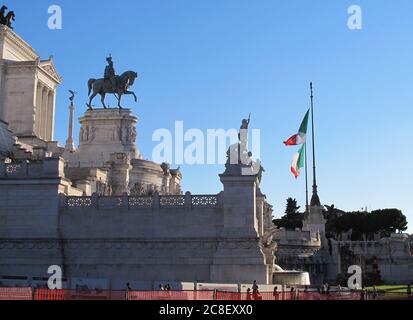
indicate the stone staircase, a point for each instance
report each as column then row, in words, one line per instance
column 7, row 140
column 10, row 147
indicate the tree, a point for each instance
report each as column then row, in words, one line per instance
column 292, row 207
column 365, row 225
column 293, row 219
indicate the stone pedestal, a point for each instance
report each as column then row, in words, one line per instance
column 316, row 224
column 240, row 217
column 239, row 256
column 121, row 167
column 105, row 132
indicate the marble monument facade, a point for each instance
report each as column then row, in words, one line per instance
column 107, row 217
column 99, row 210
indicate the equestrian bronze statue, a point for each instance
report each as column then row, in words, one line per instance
column 112, row 84
column 7, row 19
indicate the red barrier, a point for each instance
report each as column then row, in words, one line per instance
column 45, row 294
column 170, row 295
column 15, row 294
column 56, row 295
column 285, row 296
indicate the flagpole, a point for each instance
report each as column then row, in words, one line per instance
column 315, row 200
column 306, row 180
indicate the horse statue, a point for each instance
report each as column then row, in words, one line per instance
column 10, row 17
column 3, row 15
column 104, row 87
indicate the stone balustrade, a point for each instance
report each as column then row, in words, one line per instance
column 141, row 202
column 49, row 168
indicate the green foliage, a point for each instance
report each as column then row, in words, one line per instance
column 293, row 219
column 365, row 224
column 292, row 207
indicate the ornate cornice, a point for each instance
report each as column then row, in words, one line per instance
column 7, row 34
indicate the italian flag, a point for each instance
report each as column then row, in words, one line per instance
column 301, row 136
column 298, row 162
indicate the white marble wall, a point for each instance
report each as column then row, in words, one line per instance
column 179, row 238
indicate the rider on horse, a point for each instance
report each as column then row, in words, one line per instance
column 3, row 15
column 110, row 74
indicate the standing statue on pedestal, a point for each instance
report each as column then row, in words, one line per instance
column 112, row 84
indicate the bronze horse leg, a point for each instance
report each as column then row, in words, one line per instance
column 103, row 95
column 132, row 93
column 91, row 99
column 118, row 96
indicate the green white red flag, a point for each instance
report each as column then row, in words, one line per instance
column 301, row 136
column 298, row 162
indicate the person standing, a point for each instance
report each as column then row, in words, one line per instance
column 254, row 290
column 362, row 295
column 375, row 293
column 254, row 286
column 129, row 289
column 249, row 298
column 275, row 294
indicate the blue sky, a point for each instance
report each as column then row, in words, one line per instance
column 211, row 63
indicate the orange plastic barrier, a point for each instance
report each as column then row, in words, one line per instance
column 16, row 294
column 170, row 295
column 284, row 296
column 45, row 294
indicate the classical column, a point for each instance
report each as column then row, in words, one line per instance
column 39, row 93
column 43, row 112
column 50, row 115
column 70, row 143
column 121, row 167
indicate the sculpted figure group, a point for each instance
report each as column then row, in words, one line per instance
column 111, row 84
column 7, row 19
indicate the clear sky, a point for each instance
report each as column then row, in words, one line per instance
column 210, row 63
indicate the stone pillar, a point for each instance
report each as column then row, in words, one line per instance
column 50, row 115
column 260, row 213
column 39, row 93
column 175, row 182
column 240, row 205
column 316, row 224
column 2, row 78
column 70, row 143
column 43, row 113
column 121, row 166
column 239, row 257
